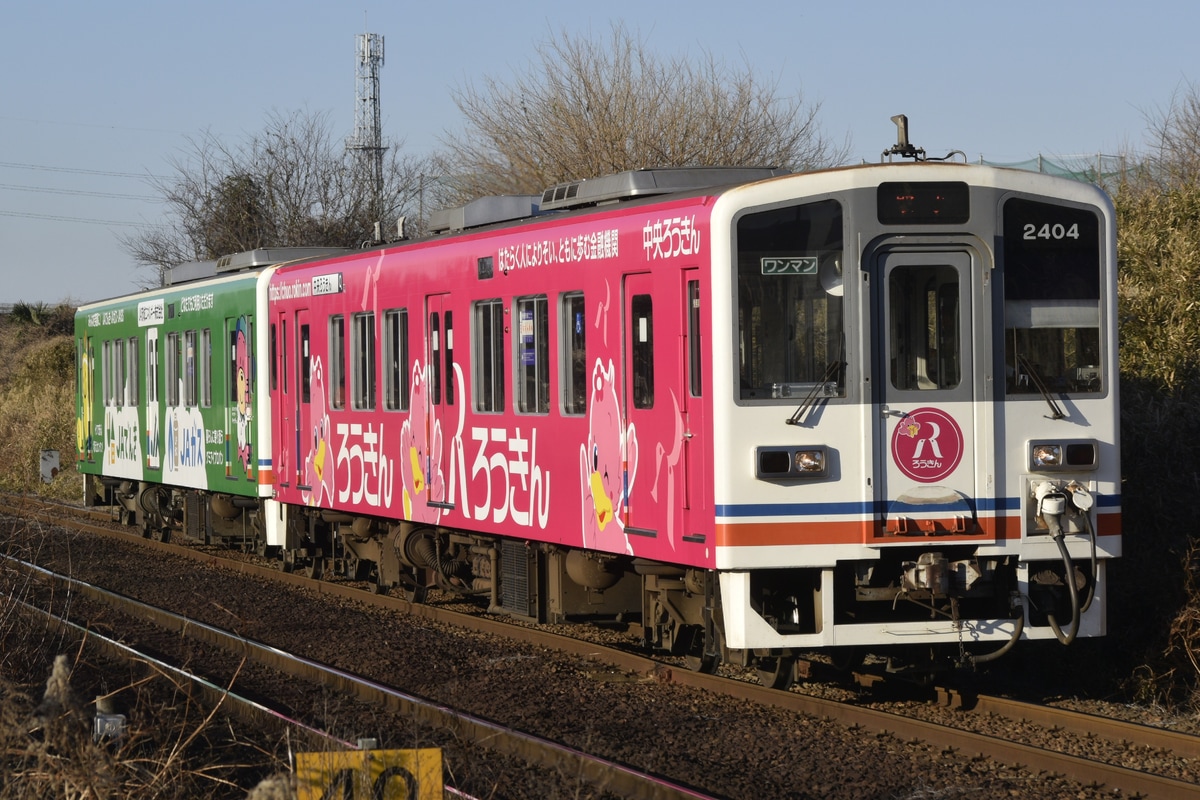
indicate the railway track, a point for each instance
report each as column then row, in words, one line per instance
column 1169, row 747
column 550, row 756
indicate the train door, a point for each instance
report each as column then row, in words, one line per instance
column 928, row 342
column 649, row 404
column 302, row 397
column 692, row 440
column 440, row 398
column 284, row 435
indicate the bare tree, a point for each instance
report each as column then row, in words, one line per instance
column 291, row 185
column 1174, row 136
column 593, row 107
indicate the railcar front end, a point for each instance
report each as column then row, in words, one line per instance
column 916, row 410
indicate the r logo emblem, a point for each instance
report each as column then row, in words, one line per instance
column 927, row 444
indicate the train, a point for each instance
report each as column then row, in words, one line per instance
column 861, row 410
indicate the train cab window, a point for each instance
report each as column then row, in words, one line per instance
column 337, row 362
column 533, row 355
column 487, row 356
column 790, row 328
column 1051, row 298
column 642, row 339
column 572, row 332
column 362, row 363
column 925, row 347
column 395, row 360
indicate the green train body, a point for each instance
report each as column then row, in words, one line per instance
column 166, row 391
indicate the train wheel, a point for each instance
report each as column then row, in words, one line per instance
column 358, row 569
column 315, row 568
column 698, row 658
column 776, row 672
column 412, row 587
column 847, row 658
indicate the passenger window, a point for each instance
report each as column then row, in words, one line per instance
column 362, row 348
column 487, row 355
column 533, row 355
column 395, row 360
column 572, row 332
column 337, row 362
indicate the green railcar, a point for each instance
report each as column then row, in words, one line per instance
column 165, row 399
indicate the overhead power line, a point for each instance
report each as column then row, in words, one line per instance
column 80, row 171
column 55, row 218
column 78, row 192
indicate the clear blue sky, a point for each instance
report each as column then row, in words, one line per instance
column 97, row 94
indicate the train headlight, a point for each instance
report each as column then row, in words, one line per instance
column 809, row 461
column 1047, row 456
column 1072, row 454
column 789, row 463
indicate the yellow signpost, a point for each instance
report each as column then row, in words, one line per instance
column 370, row 775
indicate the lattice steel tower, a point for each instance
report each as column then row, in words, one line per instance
column 367, row 143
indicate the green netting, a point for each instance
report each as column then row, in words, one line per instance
column 1097, row 168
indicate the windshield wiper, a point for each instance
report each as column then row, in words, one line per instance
column 1023, row 363
column 810, row 399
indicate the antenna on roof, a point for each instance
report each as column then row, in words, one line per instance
column 902, row 147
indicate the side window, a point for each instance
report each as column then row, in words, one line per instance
column 189, row 368
column 152, row 367
column 337, row 363
column 106, row 380
column 487, row 356
column 206, row 368
column 174, row 354
column 642, row 337
column 362, row 348
column 533, row 355
column 395, row 360
column 119, row 393
column 572, row 330
column 131, row 370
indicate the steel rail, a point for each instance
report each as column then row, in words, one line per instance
column 1086, row 771
column 599, row 772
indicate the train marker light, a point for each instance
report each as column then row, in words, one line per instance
column 1078, row 454
column 789, row 463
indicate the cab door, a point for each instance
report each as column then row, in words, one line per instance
column 932, row 462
